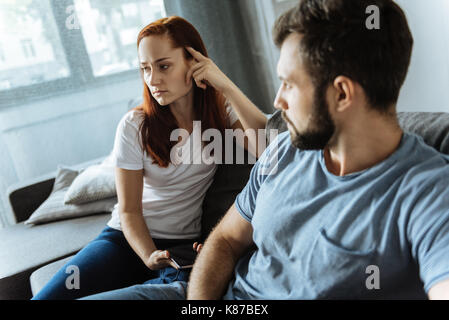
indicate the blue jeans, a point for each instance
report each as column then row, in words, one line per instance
column 108, row 263
column 149, row 291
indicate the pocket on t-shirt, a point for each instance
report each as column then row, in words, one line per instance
column 334, row 271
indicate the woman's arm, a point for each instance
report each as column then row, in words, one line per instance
column 129, row 184
column 204, row 73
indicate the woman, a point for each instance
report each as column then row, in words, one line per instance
column 159, row 194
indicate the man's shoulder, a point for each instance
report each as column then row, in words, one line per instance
column 278, row 146
column 429, row 168
column 273, row 143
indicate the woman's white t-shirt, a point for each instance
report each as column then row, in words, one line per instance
column 172, row 197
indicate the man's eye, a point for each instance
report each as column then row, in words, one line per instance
column 286, row 85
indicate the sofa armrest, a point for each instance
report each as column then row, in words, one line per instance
column 25, row 197
column 24, row 249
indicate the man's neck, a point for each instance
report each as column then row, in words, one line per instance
column 361, row 147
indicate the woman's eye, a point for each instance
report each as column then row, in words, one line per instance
column 164, row 67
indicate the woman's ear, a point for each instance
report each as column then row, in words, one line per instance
column 191, row 62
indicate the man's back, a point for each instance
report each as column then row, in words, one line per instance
column 378, row 233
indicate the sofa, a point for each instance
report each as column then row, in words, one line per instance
column 29, row 256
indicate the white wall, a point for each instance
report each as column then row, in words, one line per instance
column 427, row 84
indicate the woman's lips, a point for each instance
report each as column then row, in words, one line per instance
column 158, row 93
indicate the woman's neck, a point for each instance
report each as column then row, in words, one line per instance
column 182, row 110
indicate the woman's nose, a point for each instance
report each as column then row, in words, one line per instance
column 154, row 79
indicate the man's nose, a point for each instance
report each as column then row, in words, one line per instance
column 279, row 102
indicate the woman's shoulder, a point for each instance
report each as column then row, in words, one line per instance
column 133, row 117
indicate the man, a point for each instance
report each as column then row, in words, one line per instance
column 353, row 207
column 354, row 198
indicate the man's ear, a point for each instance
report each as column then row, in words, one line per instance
column 344, row 90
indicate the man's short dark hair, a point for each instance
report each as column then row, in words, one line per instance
column 336, row 41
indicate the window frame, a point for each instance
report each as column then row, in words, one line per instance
column 81, row 75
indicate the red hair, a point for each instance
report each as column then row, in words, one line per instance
column 158, row 122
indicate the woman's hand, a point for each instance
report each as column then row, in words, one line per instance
column 205, row 72
column 197, row 247
column 159, row 259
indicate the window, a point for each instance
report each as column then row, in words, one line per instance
column 110, row 30
column 28, row 49
column 32, row 52
column 2, row 54
column 52, row 46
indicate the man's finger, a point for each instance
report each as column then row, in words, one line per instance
column 196, row 54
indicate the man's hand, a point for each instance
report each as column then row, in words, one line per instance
column 229, row 240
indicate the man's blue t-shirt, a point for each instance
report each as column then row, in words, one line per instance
column 379, row 233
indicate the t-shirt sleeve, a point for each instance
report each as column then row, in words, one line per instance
column 267, row 165
column 429, row 232
column 127, row 152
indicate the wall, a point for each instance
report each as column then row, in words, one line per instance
column 225, row 34
column 427, row 85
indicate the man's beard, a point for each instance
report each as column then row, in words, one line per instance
column 320, row 129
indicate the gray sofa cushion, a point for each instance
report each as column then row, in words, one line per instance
column 228, row 181
column 432, row 126
column 40, row 277
column 24, row 249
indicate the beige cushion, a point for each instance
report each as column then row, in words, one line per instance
column 54, row 208
column 95, row 183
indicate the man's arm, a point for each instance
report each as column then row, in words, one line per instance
column 214, row 266
column 440, row 291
